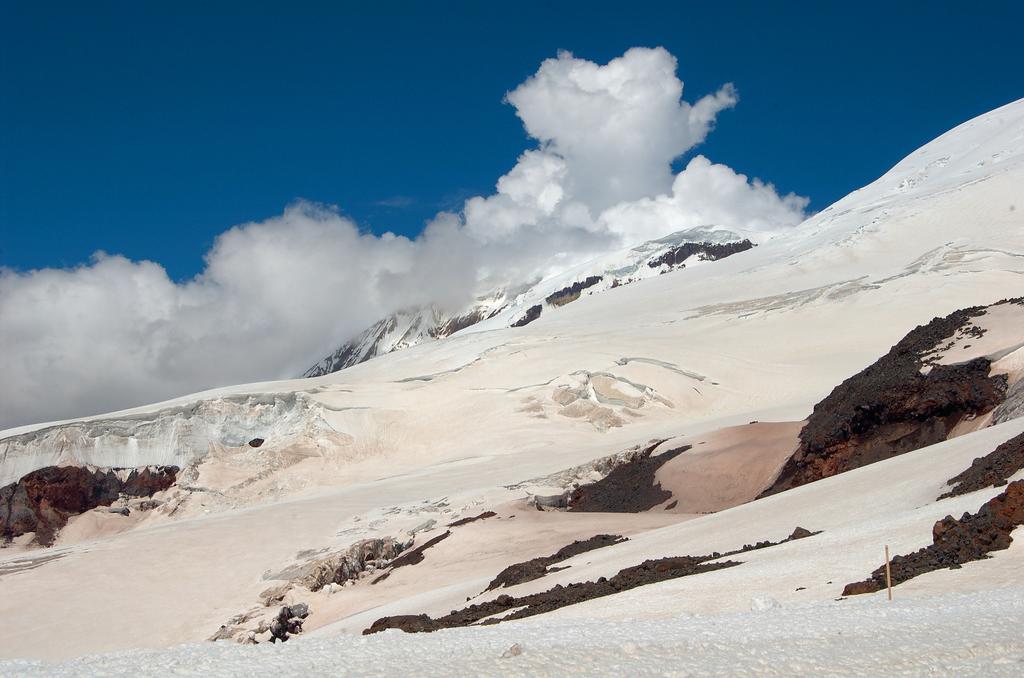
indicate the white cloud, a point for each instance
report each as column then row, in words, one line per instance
column 618, row 126
column 278, row 294
column 707, row 193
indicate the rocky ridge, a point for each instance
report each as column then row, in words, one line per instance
column 904, row 401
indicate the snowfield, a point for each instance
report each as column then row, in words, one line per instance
column 491, row 416
column 962, row 634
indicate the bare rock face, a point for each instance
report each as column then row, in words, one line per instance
column 707, row 251
column 902, row 402
column 572, row 292
column 42, row 501
column 955, row 542
column 992, row 470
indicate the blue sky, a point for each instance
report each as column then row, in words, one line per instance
column 148, row 128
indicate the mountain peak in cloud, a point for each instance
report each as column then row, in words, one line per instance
column 279, row 293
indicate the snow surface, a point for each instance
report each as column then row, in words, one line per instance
column 439, row 429
column 976, row 634
column 417, row 326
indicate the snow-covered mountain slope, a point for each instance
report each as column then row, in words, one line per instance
column 408, row 328
column 441, row 430
column 520, row 306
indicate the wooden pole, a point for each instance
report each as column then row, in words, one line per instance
column 888, row 573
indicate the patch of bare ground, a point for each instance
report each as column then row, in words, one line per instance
column 629, row 488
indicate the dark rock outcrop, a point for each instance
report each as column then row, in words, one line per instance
column 531, row 314
column 992, row 470
column 472, row 519
column 628, row 488
column 572, row 292
column 412, row 556
column 538, row 567
column 43, row 500
column 891, row 407
column 256, row 442
column 288, row 622
column 647, row 572
column 707, row 251
column 955, row 542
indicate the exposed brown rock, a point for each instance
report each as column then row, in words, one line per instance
column 955, row 542
column 43, row 500
column 538, row 567
column 628, row 488
column 891, row 408
column 647, row 572
column 992, row 470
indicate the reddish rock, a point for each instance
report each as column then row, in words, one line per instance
column 891, row 408
column 43, row 500
column 955, row 542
